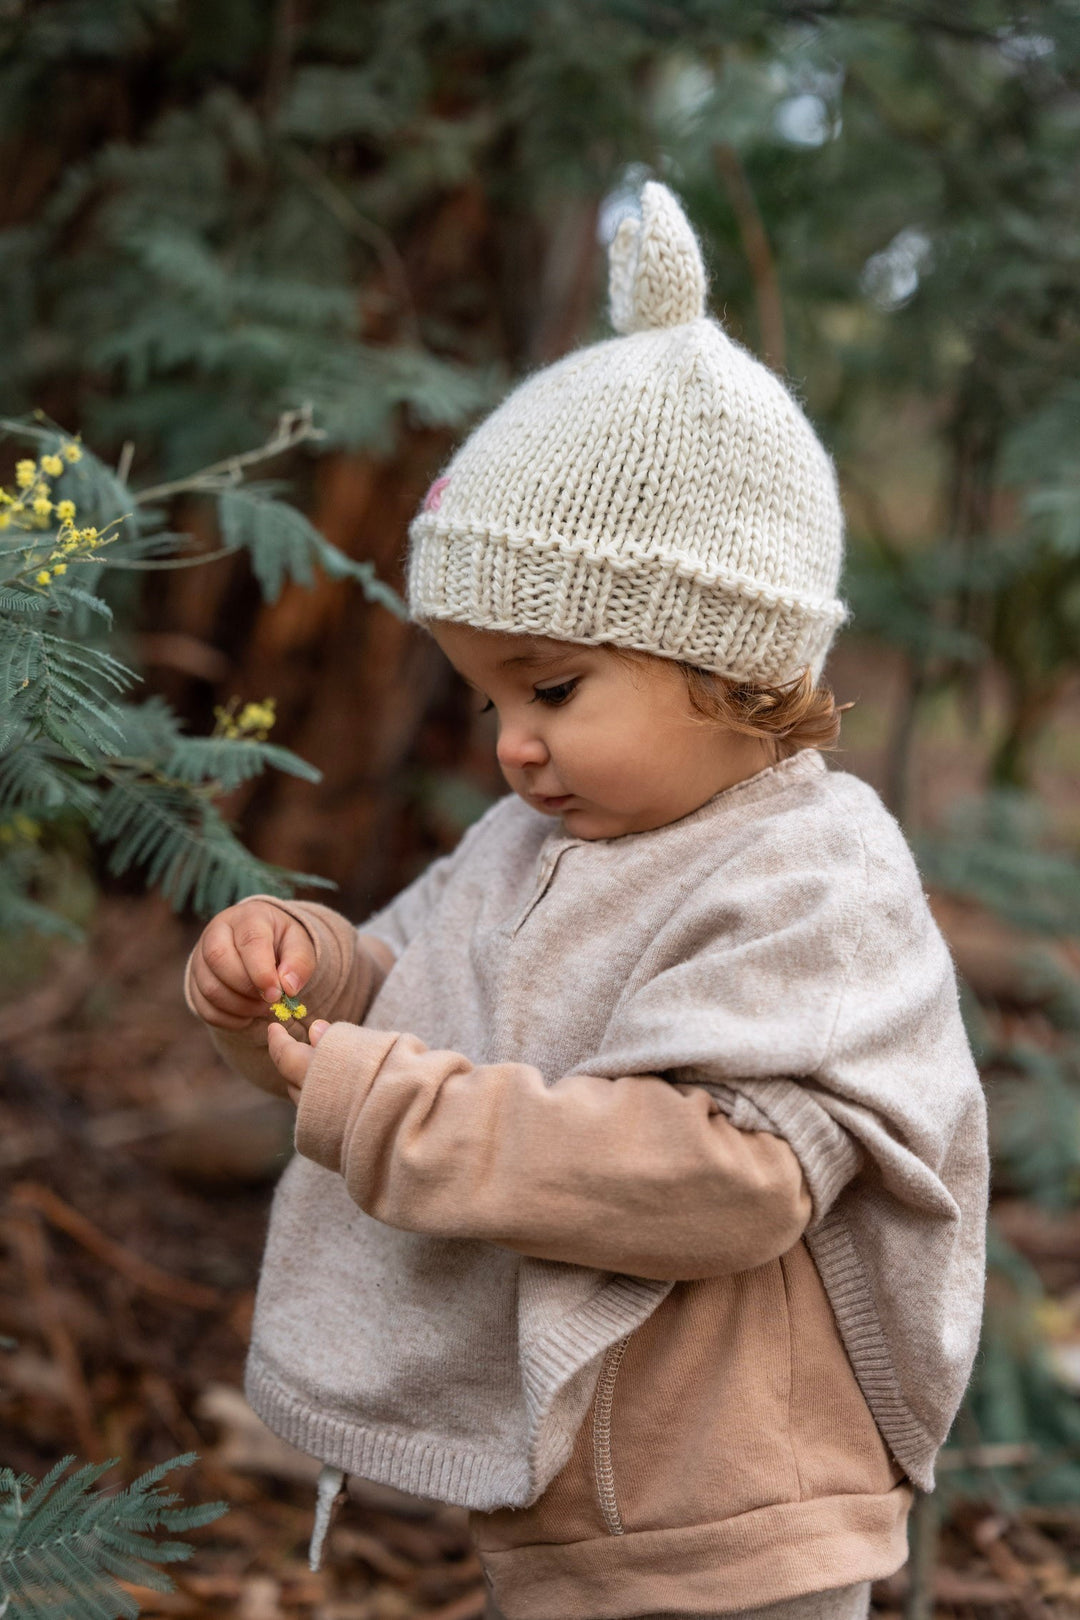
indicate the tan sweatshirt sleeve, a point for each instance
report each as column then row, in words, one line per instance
column 635, row 1175
column 349, row 969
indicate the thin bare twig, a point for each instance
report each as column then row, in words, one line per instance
column 293, row 428
column 154, row 564
column 922, row 1559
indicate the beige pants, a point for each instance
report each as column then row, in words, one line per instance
column 842, row 1603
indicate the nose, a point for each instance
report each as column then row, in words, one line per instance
column 519, row 746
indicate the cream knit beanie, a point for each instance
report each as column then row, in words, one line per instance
column 660, row 490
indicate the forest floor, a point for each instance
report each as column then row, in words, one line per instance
column 138, row 1175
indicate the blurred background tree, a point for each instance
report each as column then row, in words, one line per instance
column 217, row 212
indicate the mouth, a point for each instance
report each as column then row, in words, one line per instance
column 547, row 802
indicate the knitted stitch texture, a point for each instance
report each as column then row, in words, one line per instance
column 660, row 490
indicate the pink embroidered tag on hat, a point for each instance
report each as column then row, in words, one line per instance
column 433, row 498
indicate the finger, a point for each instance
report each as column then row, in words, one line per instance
column 253, row 932
column 295, row 955
column 213, row 1015
column 220, row 996
column 289, row 1058
column 217, row 948
column 317, row 1031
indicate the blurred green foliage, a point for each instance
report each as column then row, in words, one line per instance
column 77, row 755
column 65, row 1547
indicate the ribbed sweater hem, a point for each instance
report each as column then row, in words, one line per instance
column 442, row 1468
column 420, row 1464
column 823, row 1153
column 844, row 1276
column 765, row 1556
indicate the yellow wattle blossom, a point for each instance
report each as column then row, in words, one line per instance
column 27, row 504
column 257, row 717
column 288, row 1007
column 20, row 826
column 255, row 721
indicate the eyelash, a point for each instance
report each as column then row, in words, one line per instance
column 546, row 696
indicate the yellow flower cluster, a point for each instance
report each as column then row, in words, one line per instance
column 20, row 829
column 288, row 1008
column 255, row 720
column 31, row 506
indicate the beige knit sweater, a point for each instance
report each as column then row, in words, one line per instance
column 502, row 1174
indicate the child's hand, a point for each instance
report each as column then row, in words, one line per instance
column 291, row 1058
column 245, row 958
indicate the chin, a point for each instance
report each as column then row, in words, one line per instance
column 587, row 824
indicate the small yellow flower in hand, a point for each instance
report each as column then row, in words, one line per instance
column 288, row 1007
column 65, row 511
column 52, row 465
column 43, row 577
column 25, row 473
column 71, row 451
column 43, row 506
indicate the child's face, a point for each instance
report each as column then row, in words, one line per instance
column 611, row 746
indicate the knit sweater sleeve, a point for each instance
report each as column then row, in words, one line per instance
column 349, row 968
column 631, row 1174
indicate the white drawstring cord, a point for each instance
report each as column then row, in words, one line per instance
column 329, row 1492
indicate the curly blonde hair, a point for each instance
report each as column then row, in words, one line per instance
column 793, row 715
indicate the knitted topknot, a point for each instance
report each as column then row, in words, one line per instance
column 655, row 273
column 660, row 490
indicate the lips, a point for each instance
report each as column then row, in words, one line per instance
column 550, row 803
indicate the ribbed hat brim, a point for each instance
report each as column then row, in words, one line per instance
column 544, row 585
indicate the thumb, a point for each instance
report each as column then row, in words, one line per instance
column 317, row 1030
column 296, row 958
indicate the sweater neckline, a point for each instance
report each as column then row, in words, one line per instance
column 806, row 762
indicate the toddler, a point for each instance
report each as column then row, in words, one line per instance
column 641, row 1165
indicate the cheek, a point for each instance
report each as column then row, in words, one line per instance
column 608, row 760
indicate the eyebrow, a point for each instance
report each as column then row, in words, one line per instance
column 532, row 660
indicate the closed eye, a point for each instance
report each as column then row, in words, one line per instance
column 554, row 695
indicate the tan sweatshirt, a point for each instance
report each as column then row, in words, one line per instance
column 644, row 1215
